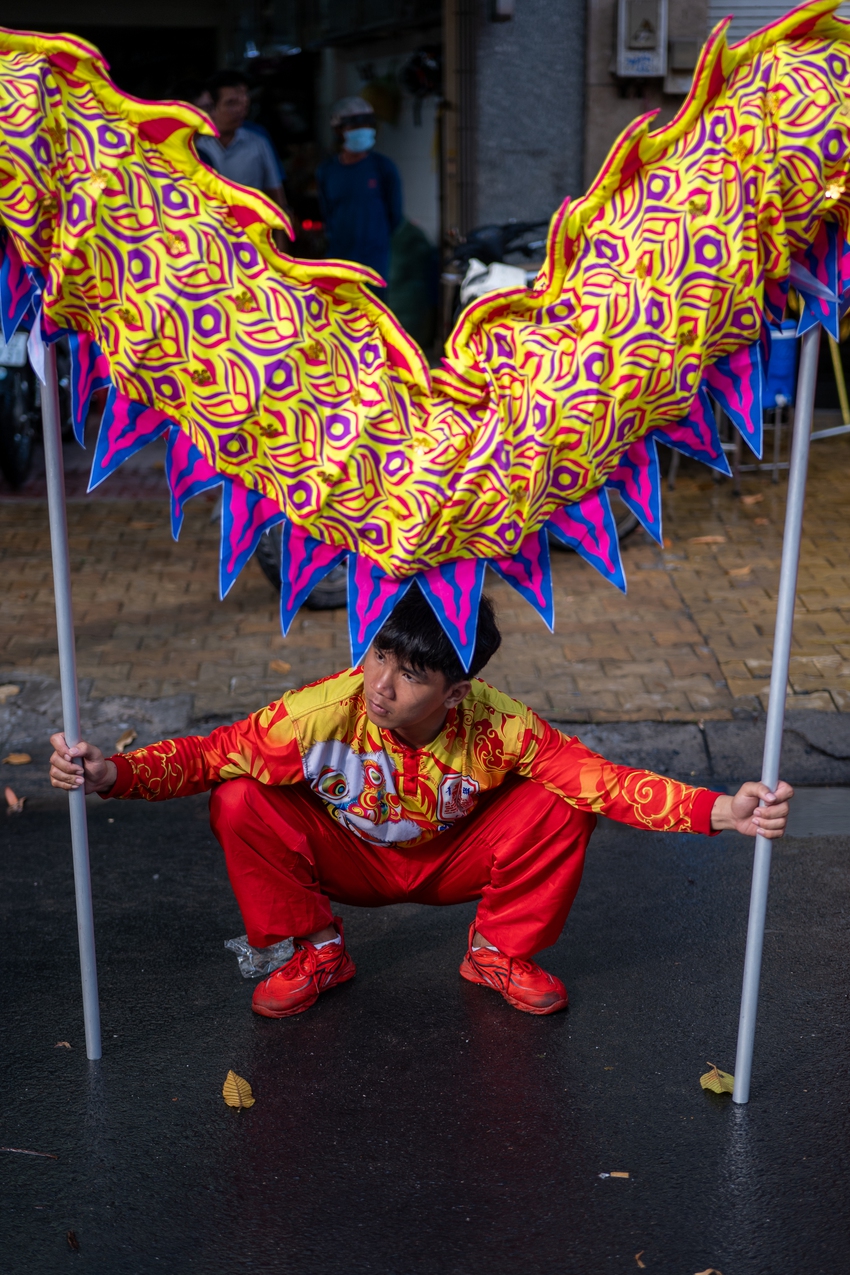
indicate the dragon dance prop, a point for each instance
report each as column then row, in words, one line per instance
column 290, row 386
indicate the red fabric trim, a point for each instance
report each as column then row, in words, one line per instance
column 631, row 164
column 64, row 61
column 244, row 216
column 123, row 780
column 395, row 358
column 717, row 81
column 160, row 128
column 701, row 811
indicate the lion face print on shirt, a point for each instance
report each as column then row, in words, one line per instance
column 359, row 790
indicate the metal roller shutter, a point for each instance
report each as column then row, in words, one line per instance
column 749, row 15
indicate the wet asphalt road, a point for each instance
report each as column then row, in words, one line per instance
column 412, row 1124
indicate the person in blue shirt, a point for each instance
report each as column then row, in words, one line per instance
column 359, row 191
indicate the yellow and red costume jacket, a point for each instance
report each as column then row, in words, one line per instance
column 386, row 792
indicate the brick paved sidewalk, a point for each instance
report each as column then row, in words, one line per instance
column 692, row 640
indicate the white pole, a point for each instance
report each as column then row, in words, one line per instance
column 70, row 700
column 776, row 706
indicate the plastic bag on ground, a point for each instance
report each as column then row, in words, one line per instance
column 259, row 962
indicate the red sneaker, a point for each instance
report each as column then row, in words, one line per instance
column 522, row 983
column 296, row 985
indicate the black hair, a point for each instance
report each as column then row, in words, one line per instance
column 227, row 80
column 413, row 634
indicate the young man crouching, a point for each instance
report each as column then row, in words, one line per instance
column 408, row 780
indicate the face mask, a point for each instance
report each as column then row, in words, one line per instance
column 358, row 140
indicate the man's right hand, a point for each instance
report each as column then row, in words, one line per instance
column 70, row 768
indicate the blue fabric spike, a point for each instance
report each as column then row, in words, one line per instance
column 816, row 274
column 125, row 429
column 529, row 571
column 372, row 594
column 188, row 473
column 735, row 382
column 588, row 526
column 697, row 435
column 637, row 479
column 304, row 562
column 17, row 294
column 808, row 319
column 245, row 515
column 454, row 593
column 89, row 372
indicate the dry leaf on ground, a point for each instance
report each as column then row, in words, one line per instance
column 125, row 740
column 740, row 571
column 707, row 540
column 17, row 759
column 73, row 1242
column 45, row 1155
column 62, row 1044
column 14, row 803
column 717, row 1081
column 237, row 1092
column 8, row 690
column 280, row 666
column 615, row 1174
column 641, row 1264
column 753, row 500
column 711, row 1271
column 761, row 522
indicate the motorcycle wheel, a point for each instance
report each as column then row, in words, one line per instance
column 17, row 425
column 328, row 595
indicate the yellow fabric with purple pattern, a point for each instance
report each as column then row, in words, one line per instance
column 288, row 382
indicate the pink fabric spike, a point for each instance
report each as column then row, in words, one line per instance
column 735, row 382
column 92, row 369
column 526, row 568
column 740, row 365
column 16, row 288
column 589, row 531
column 697, row 435
column 305, row 556
column 633, row 478
column 453, row 586
column 187, row 467
column 530, row 573
column 246, row 517
column 188, row 473
column 374, row 594
column 126, row 427
column 588, row 526
column 844, row 265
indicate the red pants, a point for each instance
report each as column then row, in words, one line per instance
column 521, row 853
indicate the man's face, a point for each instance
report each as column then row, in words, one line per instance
column 399, row 697
column 231, row 109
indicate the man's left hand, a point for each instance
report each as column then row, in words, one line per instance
column 743, row 813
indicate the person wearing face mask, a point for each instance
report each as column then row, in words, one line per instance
column 359, row 191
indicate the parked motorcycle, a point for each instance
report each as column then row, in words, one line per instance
column 20, row 406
